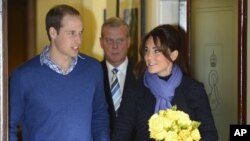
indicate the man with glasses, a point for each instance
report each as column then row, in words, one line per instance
column 117, row 68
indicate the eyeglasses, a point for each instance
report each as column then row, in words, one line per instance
column 112, row 42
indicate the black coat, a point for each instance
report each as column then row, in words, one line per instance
column 129, row 81
column 138, row 106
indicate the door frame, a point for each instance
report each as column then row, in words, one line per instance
column 4, row 73
column 242, row 62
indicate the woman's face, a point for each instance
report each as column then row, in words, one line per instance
column 156, row 62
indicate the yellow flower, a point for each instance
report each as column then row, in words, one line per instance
column 184, row 119
column 173, row 125
column 172, row 115
column 158, row 135
column 171, row 136
column 183, row 134
column 156, row 123
column 188, row 139
column 195, row 134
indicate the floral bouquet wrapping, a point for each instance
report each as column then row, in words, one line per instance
column 173, row 125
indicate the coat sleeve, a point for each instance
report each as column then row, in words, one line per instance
column 199, row 110
column 204, row 114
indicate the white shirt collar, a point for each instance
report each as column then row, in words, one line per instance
column 122, row 67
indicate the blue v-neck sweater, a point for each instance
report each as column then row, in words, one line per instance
column 54, row 107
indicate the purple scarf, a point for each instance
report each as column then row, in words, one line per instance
column 163, row 90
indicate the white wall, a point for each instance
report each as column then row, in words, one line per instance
column 161, row 12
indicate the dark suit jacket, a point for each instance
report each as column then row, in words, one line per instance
column 138, row 106
column 129, row 81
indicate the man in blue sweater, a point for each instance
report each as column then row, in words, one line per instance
column 59, row 94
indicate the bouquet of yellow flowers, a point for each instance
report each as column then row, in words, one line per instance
column 173, row 125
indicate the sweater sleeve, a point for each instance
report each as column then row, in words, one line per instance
column 100, row 120
column 16, row 104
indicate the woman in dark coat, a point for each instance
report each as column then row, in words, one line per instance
column 162, row 83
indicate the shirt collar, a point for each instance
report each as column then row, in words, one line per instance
column 45, row 59
column 44, row 55
column 122, row 67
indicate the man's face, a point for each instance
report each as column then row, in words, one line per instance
column 68, row 39
column 115, row 44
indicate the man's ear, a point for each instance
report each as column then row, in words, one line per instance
column 174, row 54
column 101, row 42
column 52, row 32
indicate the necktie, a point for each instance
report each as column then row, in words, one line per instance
column 115, row 90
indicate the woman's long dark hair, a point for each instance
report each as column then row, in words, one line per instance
column 168, row 38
